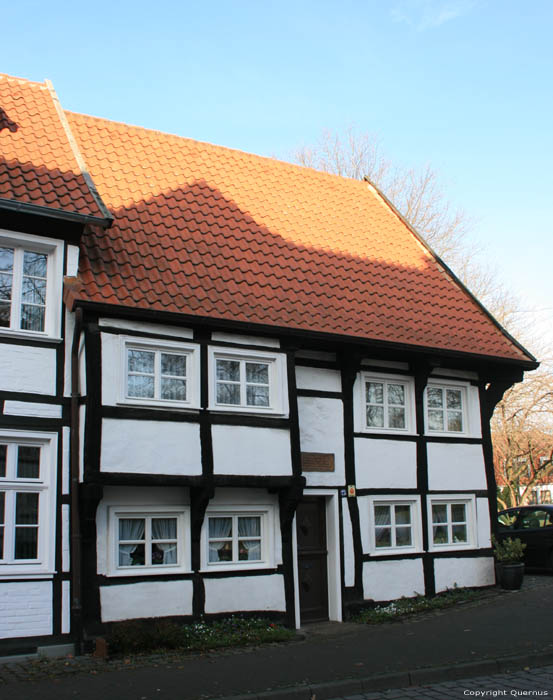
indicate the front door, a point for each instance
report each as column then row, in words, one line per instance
column 312, row 559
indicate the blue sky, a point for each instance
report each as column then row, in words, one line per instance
column 465, row 85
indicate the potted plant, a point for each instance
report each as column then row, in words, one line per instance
column 508, row 554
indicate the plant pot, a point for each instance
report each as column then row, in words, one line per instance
column 511, row 575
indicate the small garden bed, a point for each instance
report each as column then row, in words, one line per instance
column 140, row 636
column 405, row 607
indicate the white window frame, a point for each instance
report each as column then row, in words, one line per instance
column 444, row 385
column 181, row 513
column 267, row 515
column 278, row 395
column 416, row 527
column 158, row 347
column 469, row 501
column 407, row 382
column 45, row 486
column 54, row 282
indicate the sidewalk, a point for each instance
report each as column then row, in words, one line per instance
column 500, row 632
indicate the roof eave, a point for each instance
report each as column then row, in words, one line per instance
column 52, row 213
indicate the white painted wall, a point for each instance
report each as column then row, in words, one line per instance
column 349, row 554
column 318, row 379
column 150, row 447
column 65, row 607
column 483, row 522
column 72, row 260
column 388, row 580
column 139, row 496
column 65, row 474
column 316, row 355
column 457, row 373
column 322, row 430
column 386, row 364
column 27, row 368
column 149, row 599
column 245, row 339
column 25, row 609
column 363, row 503
column 389, row 464
column 245, row 450
column 65, row 540
column 244, row 593
column 455, row 467
column 33, row 410
column 140, row 326
column 463, row 572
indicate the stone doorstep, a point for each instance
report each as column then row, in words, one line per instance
column 51, row 651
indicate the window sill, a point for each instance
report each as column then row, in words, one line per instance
column 242, row 566
column 387, row 431
column 248, row 411
column 160, row 405
column 21, row 573
column 443, row 433
column 450, row 547
column 139, row 571
column 395, row 551
column 29, row 335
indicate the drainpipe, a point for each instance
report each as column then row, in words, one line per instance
column 76, row 587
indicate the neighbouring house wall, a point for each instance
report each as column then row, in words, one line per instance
column 387, row 580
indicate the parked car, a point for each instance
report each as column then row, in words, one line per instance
column 534, row 526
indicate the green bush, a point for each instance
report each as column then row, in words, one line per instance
column 508, row 551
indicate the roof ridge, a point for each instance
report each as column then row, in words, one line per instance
column 216, row 146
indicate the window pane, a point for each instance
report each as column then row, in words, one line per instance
column 173, row 389
column 453, row 398
column 164, row 554
column 1, row 542
column 220, row 527
column 375, row 392
column 249, row 527
column 140, row 386
column 32, row 318
column 434, row 397
column 228, row 370
column 459, row 533
column 5, row 313
column 132, row 555
column 26, row 542
column 458, row 513
column 383, row 537
column 396, row 417
column 164, row 528
column 249, row 550
column 173, row 364
column 403, row 515
column 257, row 395
column 257, row 373
column 403, row 536
column 375, row 416
column 439, row 513
column 28, row 462
column 3, row 459
column 34, row 264
column 228, row 393
column 220, row 551
column 455, row 421
column 435, row 420
column 2, row 502
column 131, row 529
column 396, row 394
column 6, row 259
column 6, row 281
column 440, row 534
column 26, row 508
column 33, row 291
column 141, row 361
column 382, row 515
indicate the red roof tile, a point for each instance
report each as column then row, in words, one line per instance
column 37, row 164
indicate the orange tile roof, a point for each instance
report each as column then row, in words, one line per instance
column 37, row 163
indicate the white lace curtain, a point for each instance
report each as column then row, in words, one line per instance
column 165, row 529
column 130, row 529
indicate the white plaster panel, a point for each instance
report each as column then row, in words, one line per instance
column 65, row 607
column 363, row 503
column 65, row 464
column 138, row 496
column 455, row 467
column 316, row 355
column 72, row 260
column 111, row 367
column 245, row 450
column 387, row 464
column 33, row 410
column 464, row 572
column 483, row 522
column 458, row 373
column 349, row 554
column 242, row 593
column 140, row 326
column 322, row 430
column 150, row 447
column 245, row 339
column 28, row 368
column 65, row 537
column 473, row 412
column 82, row 416
column 318, row 379
column 149, row 599
column 25, row 609
column 389, row 580
column 387, row 364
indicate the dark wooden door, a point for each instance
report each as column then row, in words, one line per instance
column 312, row 559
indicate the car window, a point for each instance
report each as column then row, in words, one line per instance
column 507, row 519
column 533, row 519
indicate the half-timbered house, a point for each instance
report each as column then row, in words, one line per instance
column 228, row 384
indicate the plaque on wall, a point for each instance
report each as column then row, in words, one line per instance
column 317, row 461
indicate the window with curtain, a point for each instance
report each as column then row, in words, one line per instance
column 235, row 538
column 451, row 522
column 148, row 541
column 395, row 524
